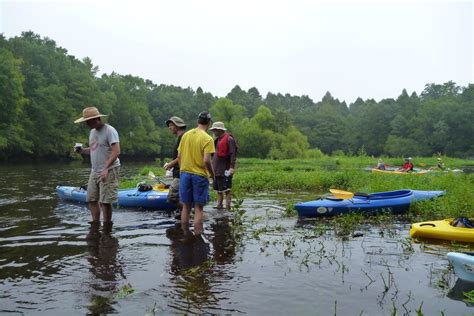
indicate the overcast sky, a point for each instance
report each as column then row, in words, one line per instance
column 366, row 49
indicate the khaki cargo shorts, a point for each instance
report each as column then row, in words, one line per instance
column 103, row 192
column 173, row 193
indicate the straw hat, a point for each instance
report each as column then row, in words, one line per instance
column 218, row 125
column 89, row 113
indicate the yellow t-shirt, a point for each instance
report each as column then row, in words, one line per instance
column 194, row 144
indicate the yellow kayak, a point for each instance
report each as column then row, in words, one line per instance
column 442, row 230
column 375, row 170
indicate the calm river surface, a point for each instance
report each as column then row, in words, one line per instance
column 53, row 263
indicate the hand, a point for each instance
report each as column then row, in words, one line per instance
column 231, row 171
column 103, row 175
column 167, row 166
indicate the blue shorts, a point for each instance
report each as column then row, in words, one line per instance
column 193, row 189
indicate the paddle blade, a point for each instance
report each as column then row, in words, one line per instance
column 151, row 174
column 340, row 194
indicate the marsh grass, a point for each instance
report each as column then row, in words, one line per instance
column 317, row 176
column 306, row 244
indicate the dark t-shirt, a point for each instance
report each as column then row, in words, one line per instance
column 175, row 155
column 221, row 164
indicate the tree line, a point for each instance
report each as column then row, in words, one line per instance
column 43, row 89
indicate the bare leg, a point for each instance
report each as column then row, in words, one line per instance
column 185, row 216
column 198, row 210
column 228, row 200
column 220, row 199
column 106, row 212
column 95, row 211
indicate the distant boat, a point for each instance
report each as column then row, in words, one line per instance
column 396, row 171
column 395, row 202
column 153, row 199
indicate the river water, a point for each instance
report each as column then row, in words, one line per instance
column 53, row 262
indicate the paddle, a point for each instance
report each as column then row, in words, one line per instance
column 341, row 194
column 154, row 177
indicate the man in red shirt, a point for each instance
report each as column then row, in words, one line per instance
column 407, row 166
column 223, row 164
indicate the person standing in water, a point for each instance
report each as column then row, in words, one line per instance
column 177, row 126
column 194, row 156
column 223, row 164
column 104, row 149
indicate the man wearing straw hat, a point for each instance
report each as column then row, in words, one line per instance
column 104, row 149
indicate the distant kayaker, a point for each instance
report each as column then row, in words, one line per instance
column 380, row 165
column 104, row 149
column 223, row 164
column 407, row 166
column 177, row 126
column 440, row 164
column 194, row 156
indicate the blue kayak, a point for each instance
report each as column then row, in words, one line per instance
column 126, row 197
column 395, row 202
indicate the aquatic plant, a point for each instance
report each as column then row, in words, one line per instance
column 124, row 291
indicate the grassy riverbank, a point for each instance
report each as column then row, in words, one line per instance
column 317, row 176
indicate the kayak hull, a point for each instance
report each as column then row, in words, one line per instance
column 463, row 264
column 441, row 229
column 126, row 197
column 415, row 172
column 395, row 202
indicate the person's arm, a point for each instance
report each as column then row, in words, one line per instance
column 171, row 164
column 115, row 152
column 208, row 165
column 85, row 151
column 232, row 154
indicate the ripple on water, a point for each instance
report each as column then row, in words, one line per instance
column 7, row 201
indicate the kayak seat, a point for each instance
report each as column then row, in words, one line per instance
column 332, row 198
column 428, row 224
column 462, row 222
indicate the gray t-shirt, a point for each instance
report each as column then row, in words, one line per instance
column 99, row 144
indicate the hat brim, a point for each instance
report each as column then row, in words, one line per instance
column 82, row 119
column 177, row 124
column 219, row 128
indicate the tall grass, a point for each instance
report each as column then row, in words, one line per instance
column 319, row 175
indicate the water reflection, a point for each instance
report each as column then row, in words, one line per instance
column 187, row 249
column 224, row 243
column 105, row 267
column 198, row 266
column 458, row 290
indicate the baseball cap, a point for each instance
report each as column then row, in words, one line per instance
column 204, row 117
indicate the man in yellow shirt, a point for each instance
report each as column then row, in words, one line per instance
column 194, row 155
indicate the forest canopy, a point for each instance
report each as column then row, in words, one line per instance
column 43, row 89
